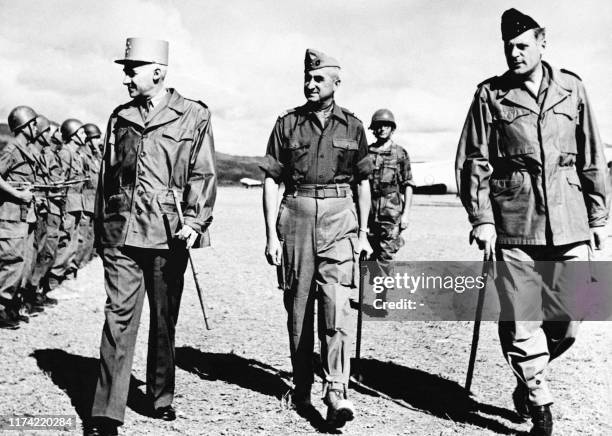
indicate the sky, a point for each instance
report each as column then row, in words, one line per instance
column 420, row 58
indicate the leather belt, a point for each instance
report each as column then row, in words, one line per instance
column 340, row 190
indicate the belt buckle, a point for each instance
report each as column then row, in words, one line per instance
column 320, row 192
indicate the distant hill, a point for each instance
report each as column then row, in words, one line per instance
column 230, row 168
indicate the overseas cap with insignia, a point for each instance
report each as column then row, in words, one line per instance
column 145, row 50
column 315, row 59
column 513, row 23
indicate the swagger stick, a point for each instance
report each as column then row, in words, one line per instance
column 177, row 203
column 477, row 319
column 362, row 270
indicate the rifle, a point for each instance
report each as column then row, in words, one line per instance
column 179, row 210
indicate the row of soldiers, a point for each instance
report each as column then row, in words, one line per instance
column 48, row 180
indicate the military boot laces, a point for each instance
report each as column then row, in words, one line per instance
column 542, row 421
column 339, row 408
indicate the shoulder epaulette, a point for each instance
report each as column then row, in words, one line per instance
column 288, row 111
column 571, row 73
column 487, row 81
column 200, row 102
column 348, row 112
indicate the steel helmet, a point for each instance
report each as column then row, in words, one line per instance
column 54, row 127
column 20, row 117
column 69, row 128
column 43, row 124
column 92, row 131
column 383, row 116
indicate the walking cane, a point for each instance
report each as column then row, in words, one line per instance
column 477, row 319
column 362, row 271
column 177, row 203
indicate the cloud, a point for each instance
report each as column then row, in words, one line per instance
column 419, row 58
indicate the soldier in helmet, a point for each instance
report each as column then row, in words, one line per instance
column 17, row 217
column 72, row 166
column 319, row 152
column 91, row 158
column 47, row 248
column 391, row 184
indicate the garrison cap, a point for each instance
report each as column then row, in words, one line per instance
column 315, row 59
column 513, row 23
column 145, row 50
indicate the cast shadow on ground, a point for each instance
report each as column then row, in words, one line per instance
column 78, row 375
column 247, row 373
column 431, row 394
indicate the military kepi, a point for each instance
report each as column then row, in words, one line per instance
column 513, row 23
column 145, row 50
column 315, row 59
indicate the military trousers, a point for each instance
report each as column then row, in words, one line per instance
column 36, row 258
column 318, row 238
column 386, row 241
column 534, row 326
column 67, row 246
column 129, row 273
column 14, row 237
column 85, row 240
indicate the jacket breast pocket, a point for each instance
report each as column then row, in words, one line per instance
column 177, row 135
column 296, row 155
column 565, row 119
column 516, row 129
column 344, row 151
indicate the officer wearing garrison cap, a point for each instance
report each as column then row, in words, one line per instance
column 319, row 152
column 530, row 167
column 157, row 144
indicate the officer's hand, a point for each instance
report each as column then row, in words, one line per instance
column 363, row 245
column 486, row 237
column 273, row 251
column 188, row 235
column 25, row 196
column 598, row 237
column 404, row 223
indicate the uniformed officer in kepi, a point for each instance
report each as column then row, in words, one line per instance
column 142, row 246
column 531, row 170
column 391, row 184
column 319, row 152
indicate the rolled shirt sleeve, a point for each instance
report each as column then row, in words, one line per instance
column 272, row 167
column 364, row 165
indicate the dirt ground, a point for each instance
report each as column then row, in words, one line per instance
column 230, row 379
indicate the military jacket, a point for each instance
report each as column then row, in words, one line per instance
column 143, row 161
column 72, row 164
column 536, row 171
column 91, row 170
column 56, row 175
column 390, row 175
column 17, row 165
column 301, row 151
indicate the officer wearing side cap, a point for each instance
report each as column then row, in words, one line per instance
column 531, row 172
column 73, row 167
column 391, row 184
column 319, row 152
column 17, row 217
column 156, row 144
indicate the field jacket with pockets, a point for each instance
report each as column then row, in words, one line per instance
column 536, row 171
column 144, row 160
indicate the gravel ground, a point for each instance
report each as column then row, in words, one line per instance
column 230, row 379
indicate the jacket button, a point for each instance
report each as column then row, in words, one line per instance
column 141, row 173
column 143, row 154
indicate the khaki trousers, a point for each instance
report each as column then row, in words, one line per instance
column 532, row 297
column 318, row 264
